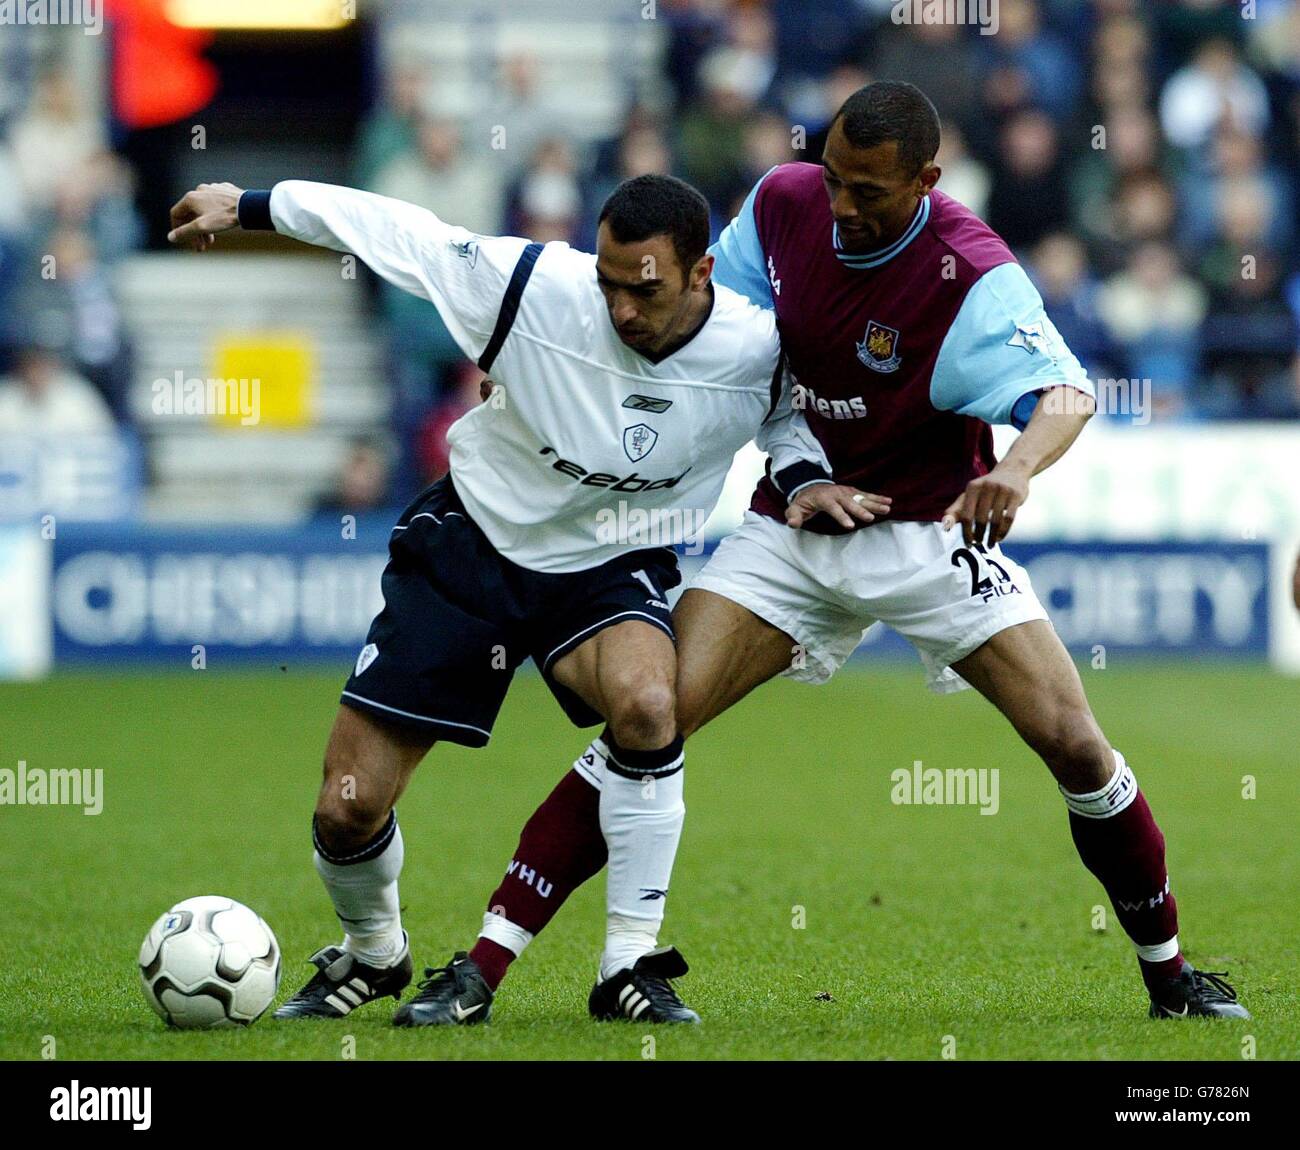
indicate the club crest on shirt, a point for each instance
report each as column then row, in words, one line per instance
column 369, row 653
column 468, row 251
column 639, row 440
column 1032, row 338
column 879, row 348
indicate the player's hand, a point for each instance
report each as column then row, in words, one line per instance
column 199, row 215
column 848, row 506
column 988, row 506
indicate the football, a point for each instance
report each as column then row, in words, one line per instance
column 209, row 962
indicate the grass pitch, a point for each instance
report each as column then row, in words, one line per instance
column 821, row 919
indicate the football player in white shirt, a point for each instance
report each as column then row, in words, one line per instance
column 625, row 383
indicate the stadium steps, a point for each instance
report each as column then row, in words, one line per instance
column 264, row 473
column 592, row 57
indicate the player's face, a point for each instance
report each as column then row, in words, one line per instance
column 647, row 292
column 873, row 196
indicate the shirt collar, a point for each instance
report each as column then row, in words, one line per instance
column 883, row 255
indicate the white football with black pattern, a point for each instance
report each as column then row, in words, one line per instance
column 209, row 962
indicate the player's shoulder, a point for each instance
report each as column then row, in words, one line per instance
column 792, row 183
column 743, row 331
column 562, row 279
column 977, row 246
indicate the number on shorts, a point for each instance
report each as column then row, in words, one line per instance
column 968, row 556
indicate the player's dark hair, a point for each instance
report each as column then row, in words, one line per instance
column 646, row 206
column 893, row 110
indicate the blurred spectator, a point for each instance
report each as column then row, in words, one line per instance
column 470, row 388
column 1142, row 207
column 43, row 396
column 420, row 348
column 1030, row 64
column 81, row 298
column 54, row 139
column 1152, row 310
column 545, row 202
column 814, row 36
column 1181, row 26
column 1059, row 269
column 711, row 136
column 918, row 53
column 964, row 177
column 695, row 28
column 1233, row 158
column 1215, row 88
column 1127, row 145
column 1028, row 198
column 13, row 203
column 362, row 484
column 1249, row 338
column 437, row 175
column 390, row 129
column 100, row 199
column 768, row 141
column 517, row 117
column 831, row 93
column 641, row 149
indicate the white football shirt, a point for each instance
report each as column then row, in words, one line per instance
column 588, row 447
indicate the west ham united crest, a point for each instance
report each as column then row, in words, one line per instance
column 639, row 441
column 879, row 348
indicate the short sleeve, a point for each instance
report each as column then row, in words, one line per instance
column 739, row 262
column 1002, row 349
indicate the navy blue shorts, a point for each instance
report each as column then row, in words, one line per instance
column 459, row 617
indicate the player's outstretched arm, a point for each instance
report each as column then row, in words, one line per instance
column 988, row 506
column 463, row 274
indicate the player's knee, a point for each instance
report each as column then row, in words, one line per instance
column 348, row 812
column 1077, row 752
column 643, row 716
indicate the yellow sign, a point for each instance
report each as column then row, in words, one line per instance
column 271, row 377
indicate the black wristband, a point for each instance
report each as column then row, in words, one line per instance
column 796, row 475
column 254, row 211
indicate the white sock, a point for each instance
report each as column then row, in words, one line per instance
column 363, row 888
column 626, row 940
column 499, row 929
column 641, row 818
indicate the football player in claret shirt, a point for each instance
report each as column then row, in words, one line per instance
column 629, row 384
column 909, row 329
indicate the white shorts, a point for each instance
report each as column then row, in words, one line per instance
column 826, row 590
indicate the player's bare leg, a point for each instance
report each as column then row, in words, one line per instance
column 359, row 857
column 1028, row 675
column 724, row 651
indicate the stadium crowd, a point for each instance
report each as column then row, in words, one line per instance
column 1141, row 159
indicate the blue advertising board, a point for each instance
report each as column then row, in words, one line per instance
column 127, row 593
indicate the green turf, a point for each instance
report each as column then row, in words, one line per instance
column 921, row 922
